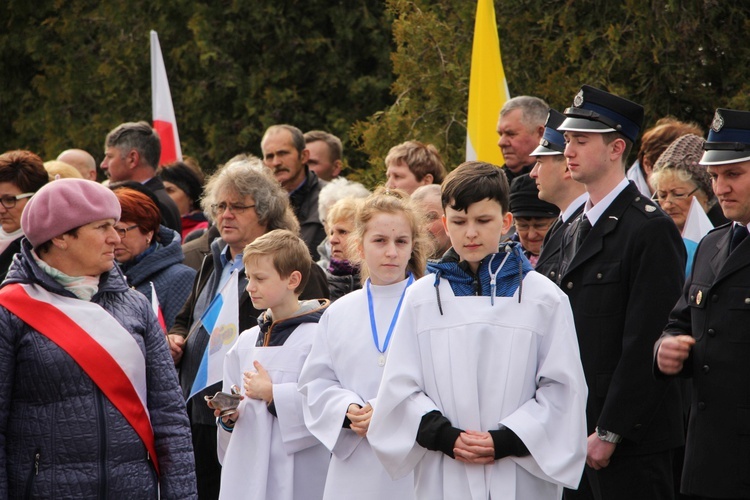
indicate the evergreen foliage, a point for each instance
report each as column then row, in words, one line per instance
column 374, row 72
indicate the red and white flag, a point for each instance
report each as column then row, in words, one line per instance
column 157, row 308
column 165, row 122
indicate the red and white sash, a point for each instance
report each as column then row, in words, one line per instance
column 102, row 348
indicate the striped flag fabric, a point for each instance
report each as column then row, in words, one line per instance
column 221, row 321
column 157, row 308
column 697, row 225
column 488, row 88
column 165, row 122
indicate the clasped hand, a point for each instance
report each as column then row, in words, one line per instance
column 359, row 418
column 474, row 447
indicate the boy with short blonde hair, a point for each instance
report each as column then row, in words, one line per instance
column 265, row 447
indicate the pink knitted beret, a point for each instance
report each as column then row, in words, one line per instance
column 66, row 204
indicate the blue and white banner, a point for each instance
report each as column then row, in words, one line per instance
column 697, row 225
column 221, row 321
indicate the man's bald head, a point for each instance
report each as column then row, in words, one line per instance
column 81, row 160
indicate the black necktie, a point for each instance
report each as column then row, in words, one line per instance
column 739, row 233
column 583, row 230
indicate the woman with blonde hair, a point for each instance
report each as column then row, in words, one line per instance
column 342, row 374
column 343, row 274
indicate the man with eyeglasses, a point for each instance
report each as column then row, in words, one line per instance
column 533, row 217
column 622, row 265
column 245, row 202
column 707, row 338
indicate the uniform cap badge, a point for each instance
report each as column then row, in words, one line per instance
column 718, row 122
column 578, row 99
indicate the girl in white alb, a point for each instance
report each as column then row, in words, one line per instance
column 341, row 376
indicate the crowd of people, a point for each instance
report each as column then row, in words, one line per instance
column 536, row 330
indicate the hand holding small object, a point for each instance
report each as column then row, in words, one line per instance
column 258, row 384
column 225, row 405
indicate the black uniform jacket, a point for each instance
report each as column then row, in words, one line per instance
column 622, row 283
column 715, row 309
column 549, row 257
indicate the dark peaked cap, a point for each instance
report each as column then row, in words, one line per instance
column 597, row 111
column 525, row 202
column 729, row 138
column 552, row 142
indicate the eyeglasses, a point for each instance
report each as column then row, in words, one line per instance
column 124, row 232
column 9, row 201
column 431, row 216
column 662, row 196
column 538, row 226
column 234, row 208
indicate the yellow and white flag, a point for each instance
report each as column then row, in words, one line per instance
column 488, row 89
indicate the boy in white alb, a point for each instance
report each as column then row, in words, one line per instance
column 483, row 395
column 265, row 449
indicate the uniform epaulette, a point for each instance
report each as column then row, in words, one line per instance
column 646, row 205
column 720, row 227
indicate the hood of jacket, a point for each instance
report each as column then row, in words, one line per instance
column 498, row 275
column 167, row 254
column 275, row 333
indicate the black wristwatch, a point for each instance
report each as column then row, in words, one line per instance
column 607, row 436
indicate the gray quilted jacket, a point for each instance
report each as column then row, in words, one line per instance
column 60, row 437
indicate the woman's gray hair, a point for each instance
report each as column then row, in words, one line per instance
column 682, row 158
column 338, row 189
column 246, row 175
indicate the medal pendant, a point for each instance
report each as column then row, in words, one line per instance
column 381, row 360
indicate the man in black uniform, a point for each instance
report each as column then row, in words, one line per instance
column 708, row 337
column 622, row 266
column 556, row 186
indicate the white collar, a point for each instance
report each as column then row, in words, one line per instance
column 593, row 213
column 568, row 212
